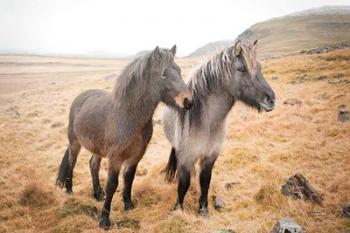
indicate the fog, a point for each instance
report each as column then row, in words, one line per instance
column 121, row 28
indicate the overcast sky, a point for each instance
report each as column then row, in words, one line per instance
column 126, row 27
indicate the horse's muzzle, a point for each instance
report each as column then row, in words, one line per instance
column 188, row 104
column 268, row 104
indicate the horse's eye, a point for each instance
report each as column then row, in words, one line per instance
column 242, row 69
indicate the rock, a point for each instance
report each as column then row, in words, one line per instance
column 344, row 115
column 230, row 185
column 346, row 211
column 287, row 225
column 298, row 187
column 56, row 125
column 243, row 117
column 322, row 77
column 292, row 102
column 224, row 231
column 13, row 112
column 218, row 203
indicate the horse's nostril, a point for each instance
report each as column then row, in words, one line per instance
column 270, row 100
column 188, row 104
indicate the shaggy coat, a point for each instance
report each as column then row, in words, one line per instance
column 118, row 125
column 197, row 135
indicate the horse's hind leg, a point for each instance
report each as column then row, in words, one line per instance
column 65, row 174
column 95, row 163
column 206, row 167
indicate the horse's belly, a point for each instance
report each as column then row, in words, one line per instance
column 198, row 147
column 92, row 145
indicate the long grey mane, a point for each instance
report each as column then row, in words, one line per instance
column 133, row 74
column 213, row 73
column 134, row 80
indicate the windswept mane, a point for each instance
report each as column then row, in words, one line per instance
column 217, row 71
column 134, row 75
column 211, row 74
column 134, row 80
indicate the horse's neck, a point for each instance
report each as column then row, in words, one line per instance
column 217, row 105
column 138, row 113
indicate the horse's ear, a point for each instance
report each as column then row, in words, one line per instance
column 173, row 50
column 255, row 44
column 238, row 48
column 156, row 53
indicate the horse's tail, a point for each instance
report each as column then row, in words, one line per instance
column 170, row 169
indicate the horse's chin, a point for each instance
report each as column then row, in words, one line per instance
column 267, row 107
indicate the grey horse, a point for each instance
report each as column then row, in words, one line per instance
column 118, row 125
column 232, row 75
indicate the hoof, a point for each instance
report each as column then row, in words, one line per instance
column 99, row 196
column 203, row 211
column 69, row 191
column 105, row 223
column 178, row 207
column 128, row 206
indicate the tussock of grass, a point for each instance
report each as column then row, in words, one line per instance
column 75, row 224
column 130, row 223
column 75, row 206
column 147, row 195
column 268, row 196
column 176, row 224
column 35, row 196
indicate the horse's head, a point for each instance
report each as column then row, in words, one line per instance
column 167, row 79
column 249, row 84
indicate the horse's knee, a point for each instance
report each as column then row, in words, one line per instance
column 94, row 163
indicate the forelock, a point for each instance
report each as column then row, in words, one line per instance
column 249, row 56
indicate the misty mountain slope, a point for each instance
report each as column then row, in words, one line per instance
column 210, row 48
column 301, row 30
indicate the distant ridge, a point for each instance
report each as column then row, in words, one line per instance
column 210, row 48
column 298, row 31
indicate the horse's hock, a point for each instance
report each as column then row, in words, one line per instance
column 298, row 187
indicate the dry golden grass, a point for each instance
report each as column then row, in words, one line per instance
column 261, row 151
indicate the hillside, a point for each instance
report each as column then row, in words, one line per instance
column 301, row 30
column 210, row 48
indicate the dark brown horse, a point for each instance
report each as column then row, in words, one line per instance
column 118, row 125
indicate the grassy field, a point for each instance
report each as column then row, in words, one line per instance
column 260, row 153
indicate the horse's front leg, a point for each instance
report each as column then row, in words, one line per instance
column 95, row 163
column 129, row 175
column 111, row 187
column 206, row 167
column 135, row 155
column 184, row 176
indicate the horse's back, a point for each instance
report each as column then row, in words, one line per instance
column 87, row 118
